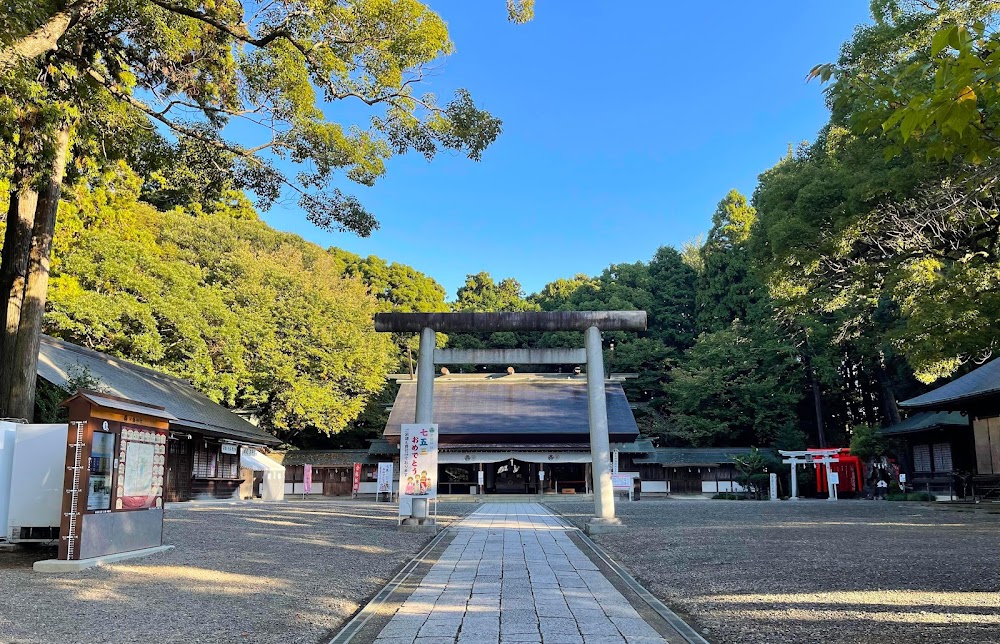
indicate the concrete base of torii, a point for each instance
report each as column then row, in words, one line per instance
column 424, row 528
column 603, row 526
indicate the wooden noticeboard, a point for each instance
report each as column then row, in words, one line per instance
column 113, row 485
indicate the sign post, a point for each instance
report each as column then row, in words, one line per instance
column 833, row 482
column 418, row 468
column 480, row 479
column 623, row 483
column 614, row 462
column 384, row 485
column 774, row 486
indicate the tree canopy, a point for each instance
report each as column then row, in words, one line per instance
column 187, row 92
column 253, row 317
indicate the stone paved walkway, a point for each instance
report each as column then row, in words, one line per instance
column 512, row 574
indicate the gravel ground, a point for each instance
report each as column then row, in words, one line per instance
column 813, row 571
column 289, row 572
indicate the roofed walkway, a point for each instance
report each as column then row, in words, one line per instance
column 512, row 574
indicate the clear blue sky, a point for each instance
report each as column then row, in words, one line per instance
column 625, row 123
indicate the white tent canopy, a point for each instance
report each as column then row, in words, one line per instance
column 273, row 486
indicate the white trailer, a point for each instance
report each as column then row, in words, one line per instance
column 31, row 489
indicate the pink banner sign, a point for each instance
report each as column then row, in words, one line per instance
column 357, row 478
column 307, row 478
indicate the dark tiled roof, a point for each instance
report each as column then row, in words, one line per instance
column 926, row 420
column 512, row 411
column 678, row 456
column 982, row 383
column 194, row 410
column 640, row 446
column 325, row 457
column 382, row 447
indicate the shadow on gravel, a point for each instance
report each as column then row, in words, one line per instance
column 238, row 573
column 853, row 571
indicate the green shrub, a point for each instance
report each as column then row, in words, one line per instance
column 910, row 496
column 730, row 496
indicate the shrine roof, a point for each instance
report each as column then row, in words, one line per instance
column 550, row 410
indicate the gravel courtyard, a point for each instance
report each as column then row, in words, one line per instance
column 239, row 573
column 813, row 571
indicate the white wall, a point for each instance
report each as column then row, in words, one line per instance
column 297, row 488
column 655, row 487
column 708, row 487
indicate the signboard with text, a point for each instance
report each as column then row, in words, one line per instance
column 418, row 464
column 307, row 478
column 621, row 481
column 384, row 479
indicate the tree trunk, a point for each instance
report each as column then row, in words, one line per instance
column 888, row 397
column 21, row 340
column 817, row 398
column 16, row 250
column 46, row 37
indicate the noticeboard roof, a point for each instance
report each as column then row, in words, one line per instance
column 122, row 405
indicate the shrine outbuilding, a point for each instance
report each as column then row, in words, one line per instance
column 211, row 451
column 976, row 395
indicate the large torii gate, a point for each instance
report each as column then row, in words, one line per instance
column 590, row 322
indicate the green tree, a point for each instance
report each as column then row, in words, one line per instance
column 924, row 75
column 727, row 289
column 396, row 286
column 752, row 472
column 482, row 294
column 253, row 317
column 882, row 231
column 81, row 78
column 738, row 386
column 867, row 443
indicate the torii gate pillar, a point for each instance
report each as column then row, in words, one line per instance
column 425, row 409
column 600, row 446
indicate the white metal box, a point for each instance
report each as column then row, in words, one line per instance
column 36, row 483
column 8, row 432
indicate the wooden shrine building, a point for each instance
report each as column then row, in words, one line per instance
column 976, row 395
column 211, row 451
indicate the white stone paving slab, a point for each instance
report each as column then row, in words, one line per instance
column 512, row 574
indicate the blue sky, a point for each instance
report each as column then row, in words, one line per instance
column 625, row 123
